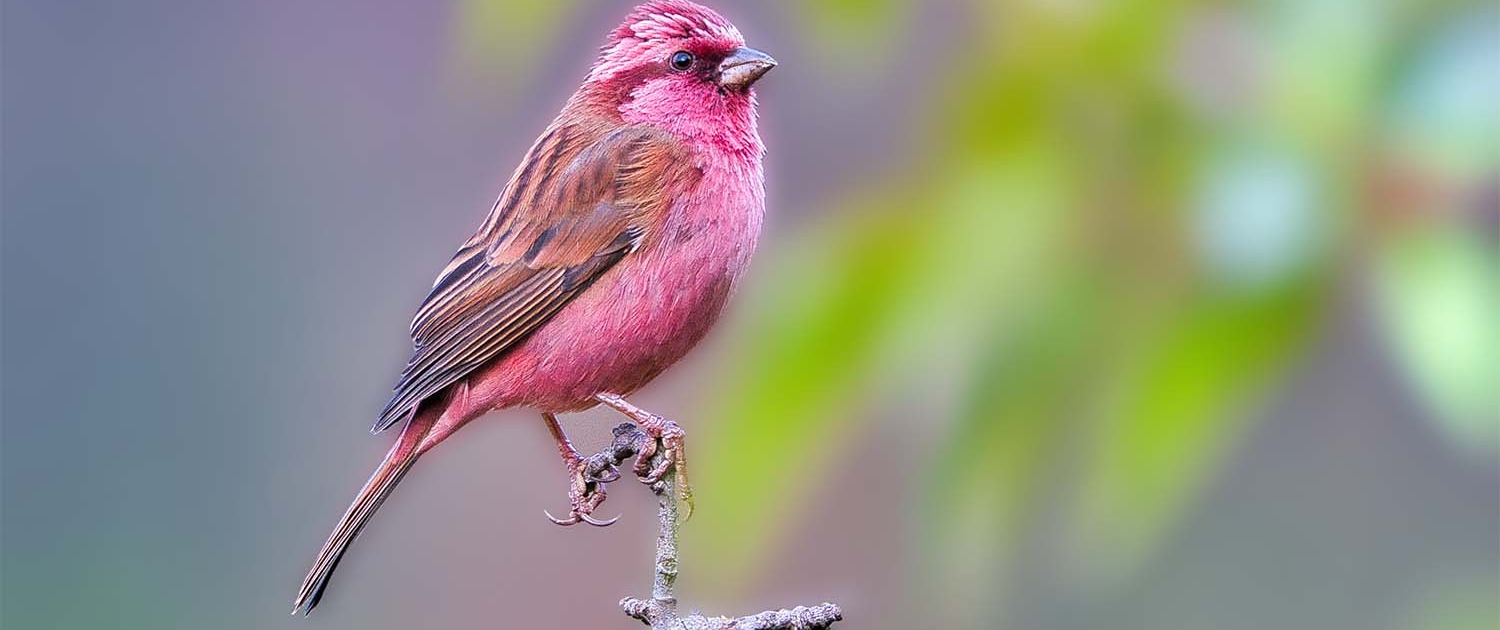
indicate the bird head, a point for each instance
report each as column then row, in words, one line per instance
column 681, row 66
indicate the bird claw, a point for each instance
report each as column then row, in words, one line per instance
column 651, row 435
column 650, row 476
column 673, row 458
column 575, row 518
column 670, row 436
column 586, row 491
column 598, row 523
column 644, row 442
column 599, row 469
column 612, row 476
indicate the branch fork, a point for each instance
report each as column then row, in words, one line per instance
column 660, row 611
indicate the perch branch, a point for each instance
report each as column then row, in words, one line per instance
column 660, row 612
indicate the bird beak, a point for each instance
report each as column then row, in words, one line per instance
column 743, row 68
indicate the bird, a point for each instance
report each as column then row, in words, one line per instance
column 611, row 252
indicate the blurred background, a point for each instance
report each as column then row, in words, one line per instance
column 1132, row 314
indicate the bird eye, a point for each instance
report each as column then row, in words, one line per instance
column 681, row 60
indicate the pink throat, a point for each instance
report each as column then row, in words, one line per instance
column 704, row 118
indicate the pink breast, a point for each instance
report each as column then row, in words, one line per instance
column 643, row 315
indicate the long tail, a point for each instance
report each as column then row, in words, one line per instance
column 387, row 475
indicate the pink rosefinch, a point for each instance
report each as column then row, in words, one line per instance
column 609, row 255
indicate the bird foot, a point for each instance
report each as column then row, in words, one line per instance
column 586, row 489
column 670, row 436
column 657, row 430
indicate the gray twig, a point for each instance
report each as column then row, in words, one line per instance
column 660, row 612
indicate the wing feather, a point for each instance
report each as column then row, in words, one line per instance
column 550, row 235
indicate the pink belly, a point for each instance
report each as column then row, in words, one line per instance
column 633, row 323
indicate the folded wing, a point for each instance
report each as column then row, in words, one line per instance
column 583, row 200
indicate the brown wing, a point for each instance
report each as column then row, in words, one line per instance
column 582, row 201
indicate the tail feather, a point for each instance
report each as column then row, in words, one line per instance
column 374, row 493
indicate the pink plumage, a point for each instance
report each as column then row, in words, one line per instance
column 612, row 251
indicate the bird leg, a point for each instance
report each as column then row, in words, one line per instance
column 660, row 430
column 587, row 479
